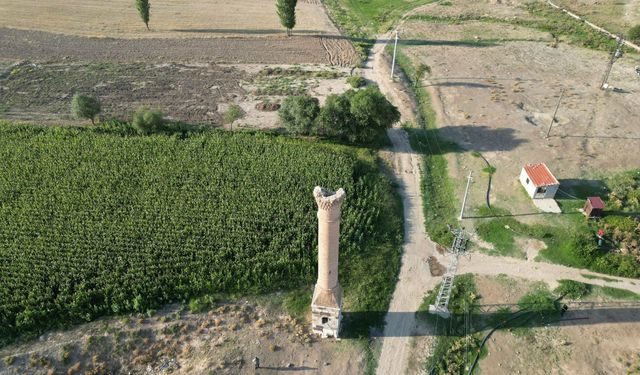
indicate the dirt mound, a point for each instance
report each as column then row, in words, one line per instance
column 435, row 267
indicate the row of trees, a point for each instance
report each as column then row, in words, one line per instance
column 286, row 10
column 355, row 116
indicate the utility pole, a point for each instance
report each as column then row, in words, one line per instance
column 553, row 118
column 393, row 62
column 464, row 200
column 616, row 55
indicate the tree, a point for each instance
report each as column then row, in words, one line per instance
column 83, row 106
column 147, row 121
column 286, row 10
column 335, row 119
column 634, row 34
column 298, row 114
column 143, row 7
column 372, row 112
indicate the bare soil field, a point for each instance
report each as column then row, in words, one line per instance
column 169, row 18
column 223, row 340
column 44, row 46
column 605, row 344
column 498, row 97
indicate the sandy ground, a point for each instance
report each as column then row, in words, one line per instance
column 223, row 340
column 169, row 18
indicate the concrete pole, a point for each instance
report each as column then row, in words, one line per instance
column 393, row 61
column 464, row 200
column 553, row 118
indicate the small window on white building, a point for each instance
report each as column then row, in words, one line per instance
column 325, row 320
column 527, row 180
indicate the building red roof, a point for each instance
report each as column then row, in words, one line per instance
column 596, row 203
column 540, row 175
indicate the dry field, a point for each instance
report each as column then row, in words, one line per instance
column 223, row 340
column 191, row 93
column 498, row 97
column 616, row 16
column 605, row 344
column 169, row 18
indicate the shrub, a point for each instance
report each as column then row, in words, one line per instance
column 233, row 113
column 584, row 247
column 65, row 354
column 356, row 81
column 542, row 303
column 634, row 34
column 573, row 289
column 200, row 304
column 624, row 223
column 83, row 106
column 298, row 114
column 147, row 121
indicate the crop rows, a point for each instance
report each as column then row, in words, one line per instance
column 93, row 224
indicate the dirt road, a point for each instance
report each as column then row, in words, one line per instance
column 414, row 279
column 547, row 272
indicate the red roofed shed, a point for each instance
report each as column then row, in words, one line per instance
column 538, row 180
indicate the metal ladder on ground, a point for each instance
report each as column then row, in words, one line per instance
column 440, row 306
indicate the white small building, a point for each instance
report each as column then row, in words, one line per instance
column 538, row 181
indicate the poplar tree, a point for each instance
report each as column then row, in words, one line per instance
column 143, row 7
column 286, row 10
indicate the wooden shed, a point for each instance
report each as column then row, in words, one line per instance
column 593, row 207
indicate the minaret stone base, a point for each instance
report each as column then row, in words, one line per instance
column 326, row 311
